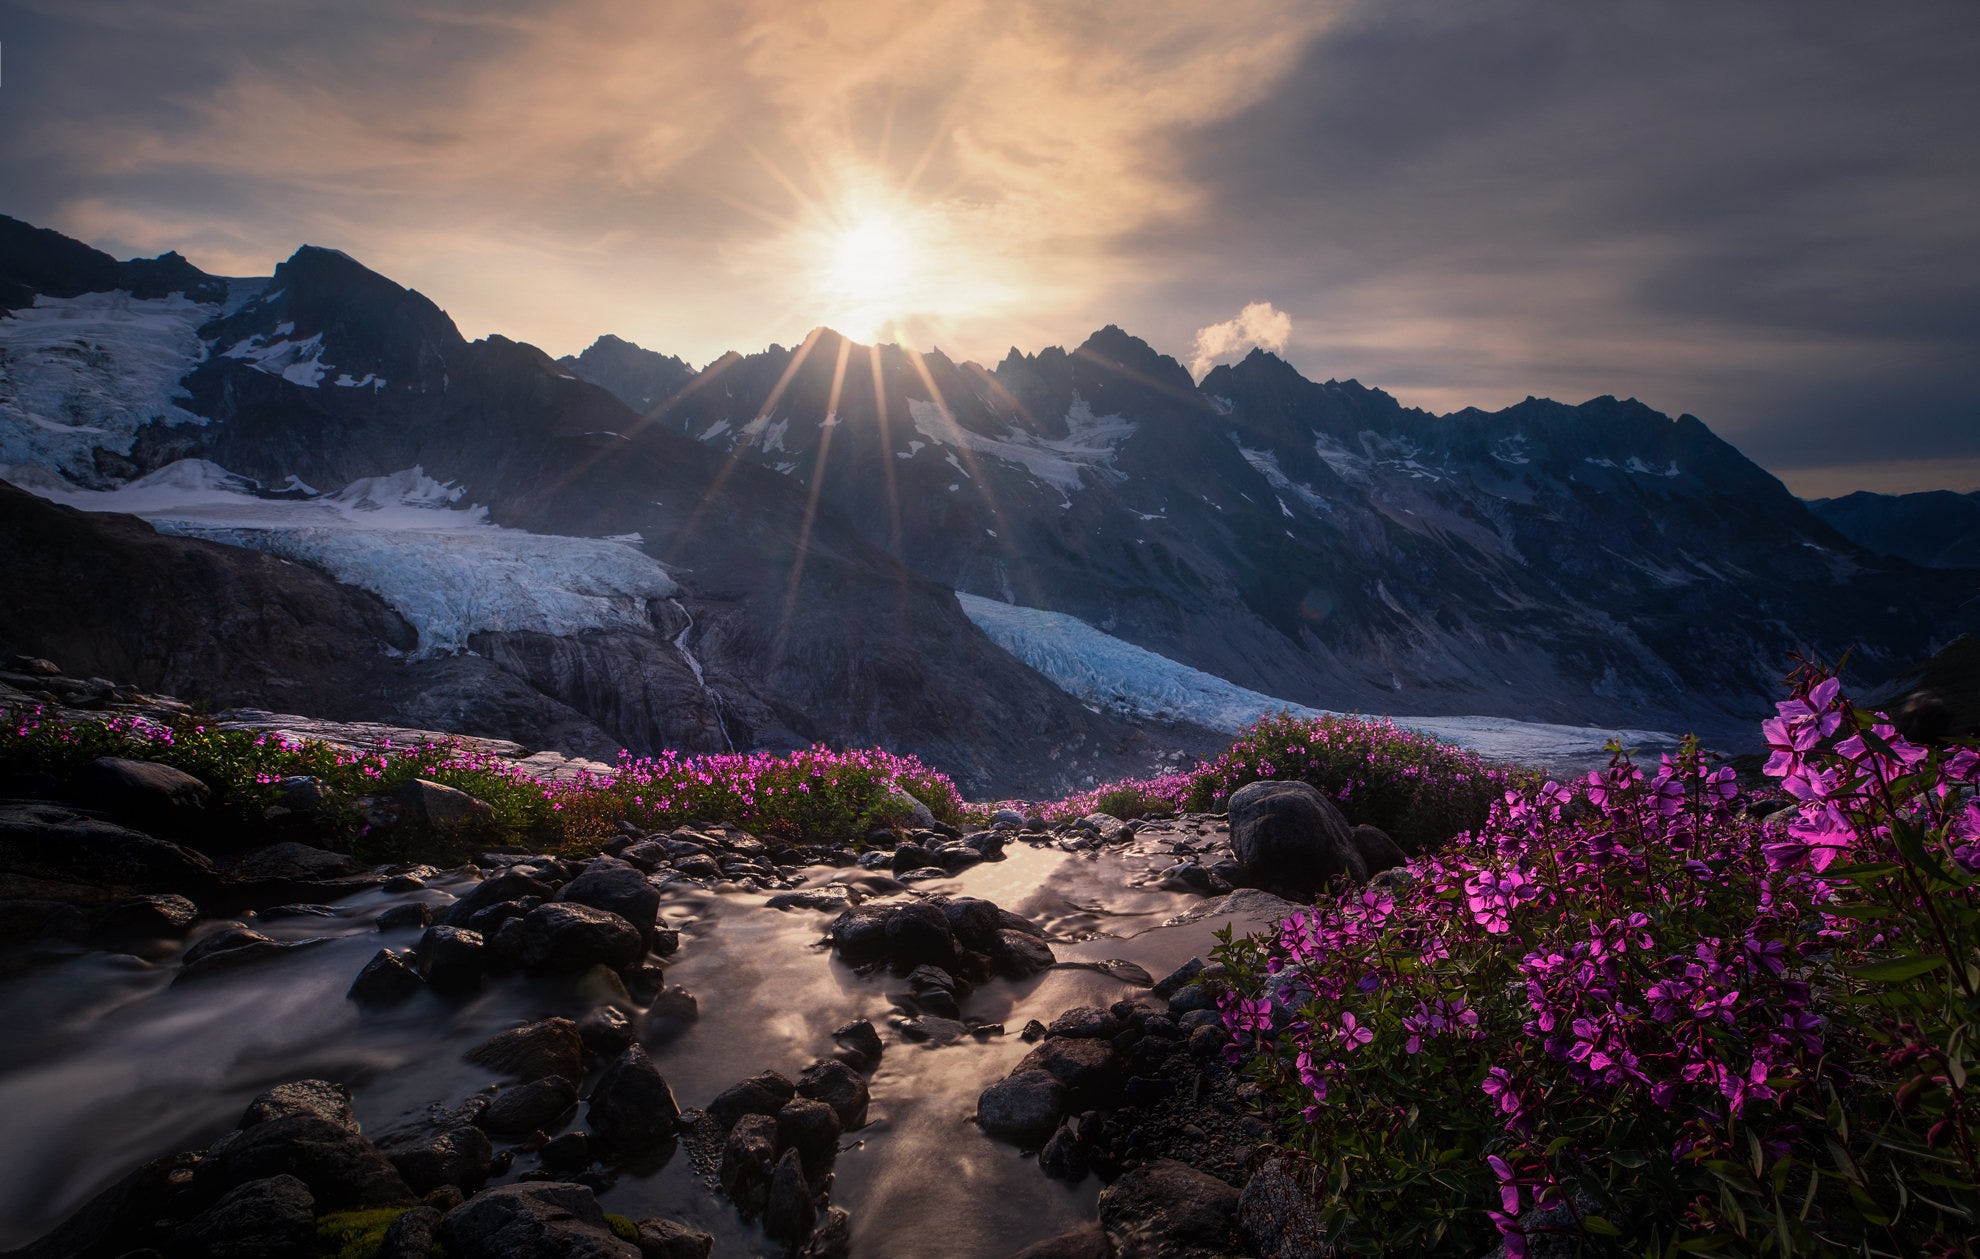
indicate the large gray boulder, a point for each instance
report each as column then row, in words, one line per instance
column 1168, row 1210
column 1291, row 840
column 142, row 793
column 619, row 889
column 538, row 1220
column 545, row 1048
column 1023, row 1106
column 633, row 1113
column 561, row 938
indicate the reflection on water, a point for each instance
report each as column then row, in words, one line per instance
column 104, row 1065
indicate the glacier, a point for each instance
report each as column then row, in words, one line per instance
column 444, row 568
column 77, row 373
column 1097, row 668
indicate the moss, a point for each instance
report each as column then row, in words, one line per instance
column 623, row 1227
column 355, row 1234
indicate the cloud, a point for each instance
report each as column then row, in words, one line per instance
column 1259, row 324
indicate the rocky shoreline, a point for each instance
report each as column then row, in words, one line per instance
column 1133, row 1094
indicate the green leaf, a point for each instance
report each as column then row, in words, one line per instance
column 1599, row 1226
column 1897, row 969
column 1858, row 911
column 1911, row 842
column 1865, row 872
column 1631, row 1159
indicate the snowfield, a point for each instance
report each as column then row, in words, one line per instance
column 1089, row 444
column 81, row 372
column 446, row 569
column 1100, row 669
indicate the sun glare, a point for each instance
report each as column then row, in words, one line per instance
column 871, row 262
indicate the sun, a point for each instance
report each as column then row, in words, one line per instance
column 870, row 263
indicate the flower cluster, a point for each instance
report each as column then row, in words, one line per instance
column 1634, row 1003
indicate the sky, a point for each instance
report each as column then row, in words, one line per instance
column 1766, row 214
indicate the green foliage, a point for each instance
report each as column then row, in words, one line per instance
column 355, row 1234
column 1130, row 801
column 622, row 1227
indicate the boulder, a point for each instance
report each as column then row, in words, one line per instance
column 1378, row 851
column 495, row 890
column 343, row 1170
column 838, row 1086
column 860, row 933
column 1167, row 1210
column 273, row 1218
column 1278, row 1217
column 919, row 932
column 229, row 948
column 1291, row 840
column 425, row 803
column 749, row 1157
column 562, row 938
column 762, row 1094
column 665, row 1239
column 160, row 916
column 417, row 914
column 292, row 861
column 387, row 979
column 459, row 1156
column 619, row 889
column 537, row 1220
column 811, row 1128
column 860, row 1037
column 414, row 1235
column 789, row 1213
column 605, row 1031
column 1088, row 1241
column 321, row 1098
column 78, row 857
column 633, row 1112
column 672, row 1011
column 521, row 1109
column 1085, row 1022
column 551, row 1047
column 1023, row 1106
column 1088, row 1068
column 451, row 958
column 141, row 793
column 1020, row 955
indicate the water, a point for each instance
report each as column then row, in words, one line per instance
column 105, row 1065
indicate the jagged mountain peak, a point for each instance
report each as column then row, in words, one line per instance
column 38, row 260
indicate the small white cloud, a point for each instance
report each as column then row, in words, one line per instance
column 1260, row 324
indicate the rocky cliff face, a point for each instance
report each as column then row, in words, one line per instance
column 1321, row 542
column 1937, row 528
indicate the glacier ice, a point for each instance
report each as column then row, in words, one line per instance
column 1098, row 668
column 446, row 569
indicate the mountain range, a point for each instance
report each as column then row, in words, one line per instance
column 348, row 508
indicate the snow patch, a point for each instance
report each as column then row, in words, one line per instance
column 1097, row 668
column 81, row 372
column 447, row 570
column 298, row 362
column 1089, row 444
column 1267, row 464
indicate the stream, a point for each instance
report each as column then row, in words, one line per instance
column 105, row 1064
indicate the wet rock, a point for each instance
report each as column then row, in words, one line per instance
column 459, row 1156
column 409, row 914
column 633, row 1113
column 41, row 923
column 521, row 1109
column 273, row 1218
column 1088, row 1241
column 762, row 1094
column 838, row 1086
column 1199, row 995
column 1063, row 1158
column 387, row 979
column 860, row 934
column 1007, row 817
column 665, row 1239
column 343, row 1170
column 539, row 1220
column 1208, row 1040
column 605, row 1031
column 832, row 1237
column 1019, row 955
column 1167, row 1210
column 932, row 1029
column 1088, row 1068
column 811, row 1128
column 698, row 867
column 1188, row 876
column 1278, row 1217
column 617, row 888
column 1085, row 1022
column 1291, row 840
column 912, row 856
column 423, row 802
column 50, row 844
column 562, row 938
column 292, row 861
column 1023, row 1106
column 159, row 917
column 568, row 1153
column 451, row 958
column 749, row 1157
column 321, row 1098
column 830, row 898
column 861, row 1037
column 142, row 793
column 551, row 1047
column 1105, row 827
column 229, row 948
column 1033, row 1030
column 789, row 1213
column 1378, row 851
column 414, row 1235
column 504, row 887
column 672, row 1012
column 919, row 932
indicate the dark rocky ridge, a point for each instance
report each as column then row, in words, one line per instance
column 804, row 630
column 1323, row 543
column 1937, row 528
